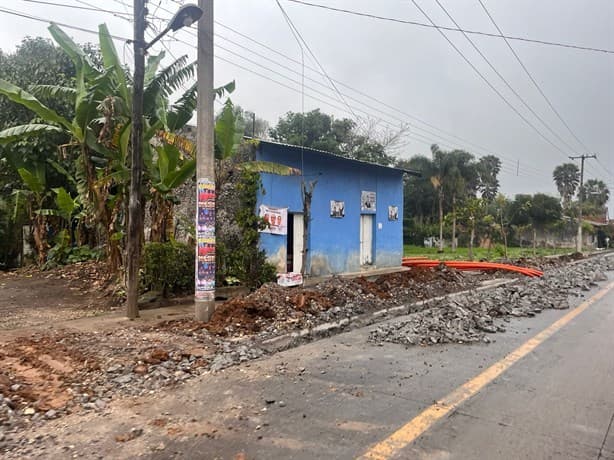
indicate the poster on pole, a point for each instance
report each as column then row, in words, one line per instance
column 205, row 240
column 276, row 219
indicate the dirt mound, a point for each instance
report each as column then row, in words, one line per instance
column 275, row 308
column 271, row 303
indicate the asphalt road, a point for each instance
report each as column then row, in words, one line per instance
column 339, row 397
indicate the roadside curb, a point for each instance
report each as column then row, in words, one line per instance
column 294, row 339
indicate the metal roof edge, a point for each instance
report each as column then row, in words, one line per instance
column 335, row 155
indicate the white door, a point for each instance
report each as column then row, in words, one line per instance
column 366, row 239
column 297, row 243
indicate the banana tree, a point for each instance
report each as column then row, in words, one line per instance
column 167, row 173
column 35, row 195
column 91, row 87
column 100, row 130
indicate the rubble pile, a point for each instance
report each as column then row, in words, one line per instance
column 470, row 317
column 48, row 375
column 273, row 309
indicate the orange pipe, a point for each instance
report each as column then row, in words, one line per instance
column 470, row 265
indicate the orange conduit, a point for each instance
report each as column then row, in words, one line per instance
column 469, row 265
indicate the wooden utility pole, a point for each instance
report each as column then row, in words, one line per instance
column 580, row 198
column 135, row 217
column 204, row 296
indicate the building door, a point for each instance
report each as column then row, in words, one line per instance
column 366, row 239
column 295, row 242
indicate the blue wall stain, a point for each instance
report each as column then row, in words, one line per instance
column 334, row 243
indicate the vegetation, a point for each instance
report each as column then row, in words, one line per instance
column 168, row 267
column 462, row 253
column 65, row 129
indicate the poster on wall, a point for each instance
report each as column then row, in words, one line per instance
column 205, row 240
column 393, row 213
column 276, row 218
column 337, row 209
column 367, row 201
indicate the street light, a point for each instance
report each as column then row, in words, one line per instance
column 186, row 16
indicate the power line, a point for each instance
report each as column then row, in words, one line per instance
column 509, row 86
column 556, row 112
column 126, row 39
column 439, row 136
column 87, row 7
column 298, row 33
column 481, row 75
column 452, row 29
column 68, row 26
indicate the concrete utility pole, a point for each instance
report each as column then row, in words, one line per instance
column 135, row 204
column 204, row 297
column 579, row 237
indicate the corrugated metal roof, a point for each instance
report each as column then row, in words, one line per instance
column 283, row 144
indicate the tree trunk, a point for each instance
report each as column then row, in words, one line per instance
column 103, row 217
column 440, row 221
column 454, row 223
column 471, row 238
column 534, row 242
column 503, row 234
column 40, row 238
column 307, row 196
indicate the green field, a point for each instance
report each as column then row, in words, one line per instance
column 479, row 253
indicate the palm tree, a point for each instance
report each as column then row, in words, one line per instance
column 567, row 178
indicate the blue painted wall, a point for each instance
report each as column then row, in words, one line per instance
column 334, row 244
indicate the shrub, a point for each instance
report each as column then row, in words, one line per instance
column 168, row 267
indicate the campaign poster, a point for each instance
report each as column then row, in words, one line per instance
column 337, row 209
column 276, row 219
column 206, row 207
column 393, row 213
column 205, row 240
column 367, row 201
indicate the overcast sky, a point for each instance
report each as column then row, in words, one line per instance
column 413, row 70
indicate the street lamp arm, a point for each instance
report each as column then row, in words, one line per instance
column 185, row 17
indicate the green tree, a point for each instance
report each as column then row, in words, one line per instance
column 471, row 215
column 567, row 178
column 595, row 195
column 99, row 130
column 456, row 179
column 340, row 136
column 488, row 168
column 537, row 212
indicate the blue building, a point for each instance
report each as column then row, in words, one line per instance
column 356, row 212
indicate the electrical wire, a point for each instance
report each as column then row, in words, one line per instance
column 452, row 29
column 68, row 26
column 504, row 80
column 298, row 33
column 412, row 135
column 490, row 85
column 437, row 135
column 88, row 7
column 556, row 112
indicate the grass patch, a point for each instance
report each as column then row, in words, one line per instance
column 480, row 253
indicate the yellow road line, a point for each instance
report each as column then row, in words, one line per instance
column 405, row 435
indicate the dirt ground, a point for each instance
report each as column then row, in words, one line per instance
column 47, row 370
column 30, row 297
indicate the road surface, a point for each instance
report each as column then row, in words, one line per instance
column 342, row 398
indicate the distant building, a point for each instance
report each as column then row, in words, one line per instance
column 356, row 212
